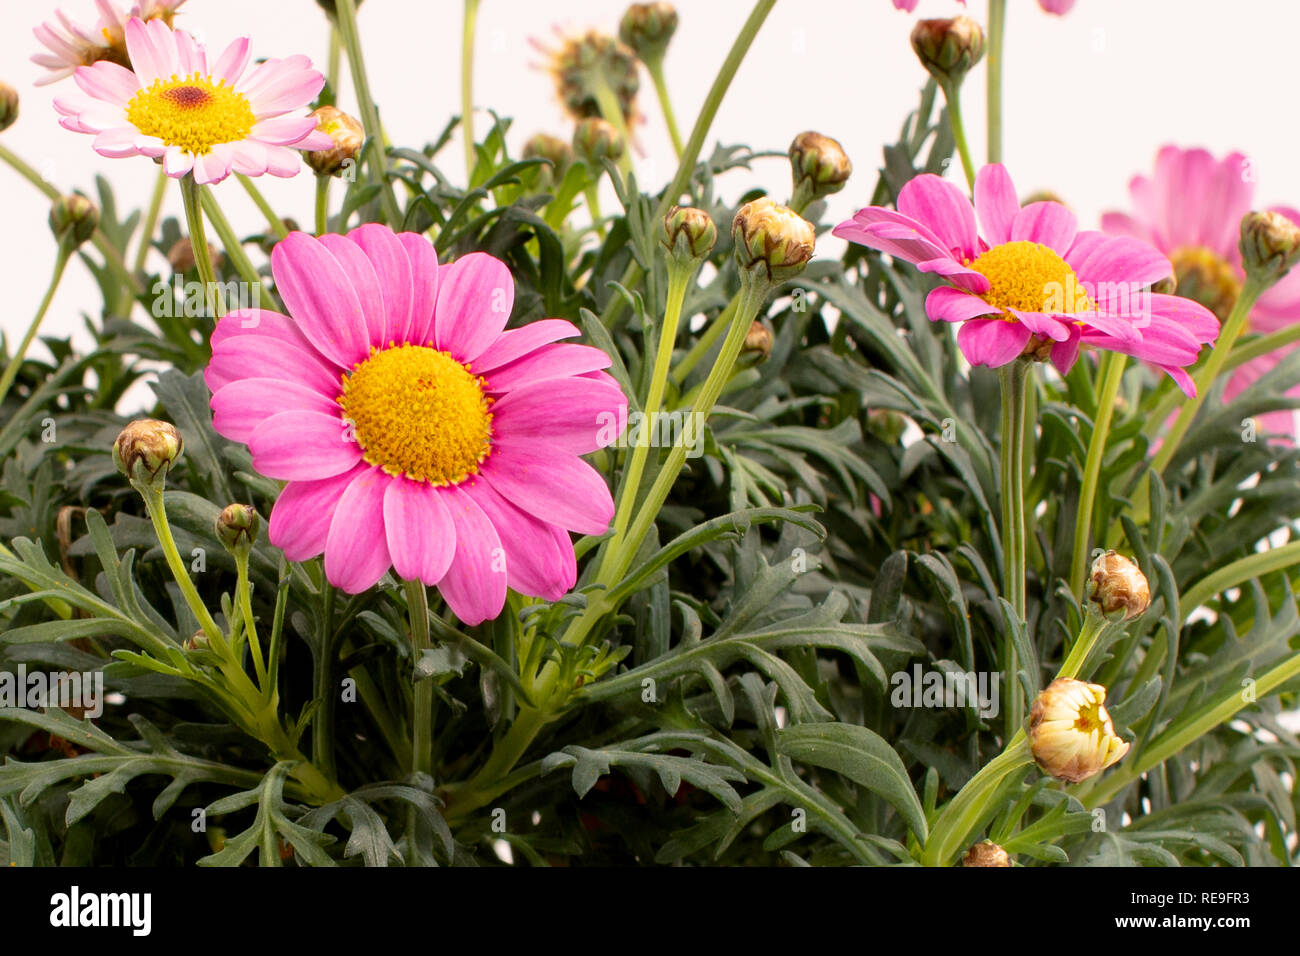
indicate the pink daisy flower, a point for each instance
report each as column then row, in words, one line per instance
column 1191, row 210
column 211, row 121
column 71, row 45
column 413, row 431
column 1032, row 283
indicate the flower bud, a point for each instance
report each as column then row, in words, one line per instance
column 74, row 219
column 594, row 140
column 819, row 164
column 771, row 237
column 146, row 449
column 237, row 527
column 1070, row 734
column 987, row 853
column 1270, row 245
column 886, row 424
column 948, row 48
column 181, row 256
column 8, row 106
column 1118, row 587
column 586, row 63
column 647, row 28
column 758, row 342
column 1204, row 277
column 197, row 642
column 348, row 138
column 689, row 233
column 553, row 149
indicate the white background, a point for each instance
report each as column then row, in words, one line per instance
column 1089, row 97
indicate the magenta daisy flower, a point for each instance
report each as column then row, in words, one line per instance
column 210, row 120
column 1032, row 283
column 1191, row 210
column 414, row 432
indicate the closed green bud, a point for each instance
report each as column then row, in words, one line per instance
column 74, row 219
column 818, row 164
column 8, row 106
column 594, row 140
column 146, row 449
column 1270, row 245
column 948, row 48
column 771, row 238
column 689, row 233
column 237, row 527
column 647, row 28
column 553, row 149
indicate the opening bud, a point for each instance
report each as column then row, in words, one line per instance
column 237, row 527
column 987, row 853
column 74, row 219
column 948, row 48
column 773, row 238
column 146, row 449
column 1070, row 734
column 8, row 106
column 647, row 28
column 594, row 140
column 758, row 342
column 1270, row 245
column 1118, row 587
column 819, row 165
column 689, row 233
column 348, row 137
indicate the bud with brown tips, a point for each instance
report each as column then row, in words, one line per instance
column 689, row 234
column 594, row 140
column 948, row 48
column 237, row 527
column 758, row 342
column 8, row 106
column 146, row 449
column 819, row 166
column 1070, row 733
column 647, row 28
column 1118, row 587
column 1270, row 245
column 987, row 853
column 74, row 219
column 348, row 136
column 181, row 256
column 771, row 239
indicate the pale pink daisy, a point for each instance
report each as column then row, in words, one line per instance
column 1032, row 283
column 70, row 44
column 1191, row 209
column 211, row 121
column 1059, row 7
column 413, row 430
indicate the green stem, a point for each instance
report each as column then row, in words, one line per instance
column 997, row 28
column 275, row 222
column 962, row 814
column 706, row 341
column 244, row 591
column 153, row 497
column 322, row 724
column 1094, row 625
column 332, row 60
column 66, row 246
column 417, row 607
column 1111, row 374
column 592, row 193
column 191, row 197
column 347, row 23
column 467, row 87
column 322, row 205
column 234, row 248
column 1015, row 378
column 655, row 67
column 271, row 690
column 952, row 93
column 150, row 221
column 612, row 112
column 679, row 278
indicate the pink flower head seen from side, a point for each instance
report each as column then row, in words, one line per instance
column 1191, row 208
column 415, row 432
column 69, row 44
column 1027, row 281
column 212, row 119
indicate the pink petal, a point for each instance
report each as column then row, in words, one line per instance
column 539, row 556
column 513, row 344
column 1047, row 223
column 424, row 285
column 303, row 445
column 1108, row 259
column 1064, row 354
column 388, row 258
column 152, row 49
column 944, row 208
column 356, row 550
column 283, row 130
column 995, row 202
column 547, row 362
column 320, row 298
column 300, row 519
column 946, row 304
column 554, row 487
column 474, row 587
column 992, row 342
column 265, row 356
column 238, row 408
column 475, row 296
column 421, row 535
column 108, row 82
column 232, row 62
column 576, row 416
column 352, row 262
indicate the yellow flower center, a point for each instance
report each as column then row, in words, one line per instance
column 191, row 112
column 1205, row 277
column 418, row 412
column 1030, row 277
column 1091, row 718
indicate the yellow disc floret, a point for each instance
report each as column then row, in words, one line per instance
column 418, row 412
column 191, row 112
column 1203, row 276
column 1030, row 277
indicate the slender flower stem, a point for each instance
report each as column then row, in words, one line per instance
column 1209, row 372
column 271, row 689
column 322, row 205
column 467, row 87
column 15, row 363
column 332, row 60
column 962, row 814
column 706, row 341
column 592, row 193
column 153, row 497
column 322, row 723
column 275, row 222
column 952, row 94
column 612, row 113
column 679, row 278
column 1111, row 374
column 1015, row 380
column 347, row 23
column 1094, row 625
column 244, row 591
column 417, row 607
column 190, row 195
column 655, row 67
column 150, row 221
column 234, row 247
column 997, row 28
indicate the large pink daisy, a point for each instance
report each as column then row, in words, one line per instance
column 1032, row 283
column 210, row 120
column 1191, row 210
column 413, row 431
